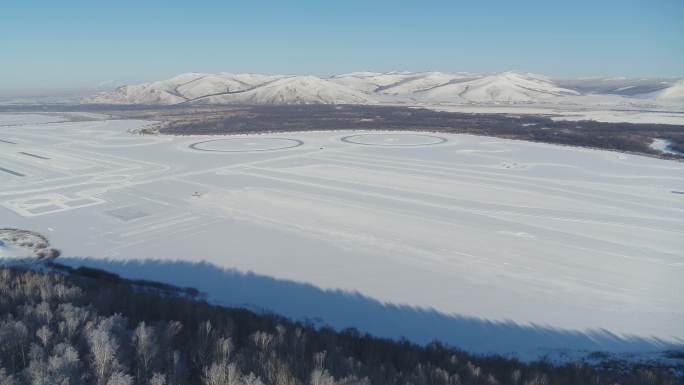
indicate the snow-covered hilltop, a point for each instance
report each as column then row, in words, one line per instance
column 509, row 87
column 673, row 92
column 392, row 87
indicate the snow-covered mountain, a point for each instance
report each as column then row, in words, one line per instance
column 369, row 82
column 398, row 83
column 675, row 92
column 291, row 90
column 183, row 88
column 507, row 87
column 227, row 88
column 391, row 87
column 616, row 85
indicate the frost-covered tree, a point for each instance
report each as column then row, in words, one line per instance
column 157, row 379
column 120, row 378
column 146, row 348
column 214, row 374
column 321, row 377
column 6, row 379
column 74, row 344
column 37, row 371
column 220, row 374
column 224, row 347
column 202, row 345
column 104, row 349
column 176, row 368
column 352, row 380
column 14, row 343
column 516, row 375
column 63, row 365
column 44, row 335
column 71, row 320
column 44, row 313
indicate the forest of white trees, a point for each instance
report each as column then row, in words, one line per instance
column 64, row 329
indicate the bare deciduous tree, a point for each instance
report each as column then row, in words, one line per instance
column 145, row 341
column 6, row 379
column 120, row 378
column 44, row 335
column 157, row 379
column 64, row 364
column 104, row 350
column 321, row 377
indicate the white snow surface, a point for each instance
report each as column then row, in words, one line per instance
column 488, row 244
column 597, row 112
column 16, row 119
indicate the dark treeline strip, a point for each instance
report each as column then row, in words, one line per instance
column 627, row 137
column 236, row 119
column 86, row 326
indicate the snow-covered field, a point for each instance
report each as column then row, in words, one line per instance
column 572, row 113
column 24, row 118
column 488, row 244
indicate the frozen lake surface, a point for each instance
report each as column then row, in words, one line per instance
column 489, row 244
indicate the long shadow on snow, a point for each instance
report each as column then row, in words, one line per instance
column 341, row 309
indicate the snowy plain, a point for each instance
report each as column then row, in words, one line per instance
column 608, row 114
column 488, row 244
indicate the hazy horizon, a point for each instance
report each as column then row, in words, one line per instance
column 111, row 85
column 79, row 46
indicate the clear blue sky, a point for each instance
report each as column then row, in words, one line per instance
column 80, row 44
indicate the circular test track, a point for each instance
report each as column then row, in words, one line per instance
column 394, row 140
column 234, row 145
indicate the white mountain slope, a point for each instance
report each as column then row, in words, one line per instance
column 211, row 84
column 392, row 87
column 507, row 87
column 370, row 82
column 182, row 88
column 398, row 86
column 423, row 82
column 675, row 92
column 293, row 90
column 159, row 92
column 616, row 85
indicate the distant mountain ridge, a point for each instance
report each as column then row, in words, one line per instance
column 510, row 87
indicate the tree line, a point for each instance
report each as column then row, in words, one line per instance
column 65, row 326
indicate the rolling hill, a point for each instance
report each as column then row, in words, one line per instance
column 510, row 87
